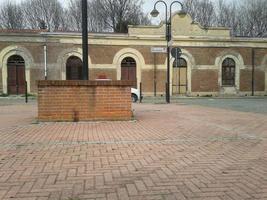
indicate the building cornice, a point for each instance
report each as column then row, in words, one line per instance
column 125, row 39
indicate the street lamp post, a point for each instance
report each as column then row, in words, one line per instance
column 155, row 13
column 85, row 39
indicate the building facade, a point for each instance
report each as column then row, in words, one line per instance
column 212, row 62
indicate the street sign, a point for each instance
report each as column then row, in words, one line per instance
column 176, row 52
column 158, row 50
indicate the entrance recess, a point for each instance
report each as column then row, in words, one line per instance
column 16, row 75
column 74, row 68
column 179, row 80
column 128, row 69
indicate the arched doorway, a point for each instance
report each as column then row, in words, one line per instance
column 179, row 81
column 16, row 75
column 228, row 72
column 74, row 68
column 128, row 69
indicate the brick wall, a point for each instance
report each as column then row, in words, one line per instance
column 246, row 80
column 1, row 82
column 205, row 80
column 148, row 81
column 109, row 73
column 207, row 55
column 104, row 54
column 84, row 100
column 35, row 74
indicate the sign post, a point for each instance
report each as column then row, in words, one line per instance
column 85, row 39
column 176, row 52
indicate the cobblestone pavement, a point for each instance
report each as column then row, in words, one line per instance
column 169, row 152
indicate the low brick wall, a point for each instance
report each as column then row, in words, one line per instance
column 84, row 100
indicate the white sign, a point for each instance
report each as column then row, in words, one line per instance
column 158, row 49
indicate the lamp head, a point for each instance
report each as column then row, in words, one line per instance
column 182, row 13
column 154, row 12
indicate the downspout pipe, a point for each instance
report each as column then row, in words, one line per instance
column 45, row 61
column 253, row 73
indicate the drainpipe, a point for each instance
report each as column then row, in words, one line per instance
column 45, row 60
column 155, row 76
column 253, row 72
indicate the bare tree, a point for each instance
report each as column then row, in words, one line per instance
column 107, row 15
column 65, row 21
column 245, row 18
column 254, row 15
column 202, row 11
column 227, row 15
column 11, row 16
column 75, row 15
column 117, row 14
column 96, row 22
column 51, row 12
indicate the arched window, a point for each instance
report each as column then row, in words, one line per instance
column 228, row 72
column 128, row 62
column 74, row 68
column 15, row 59
column 16, row 75
column 179, row 77
column 128, row 69
column 180, row 62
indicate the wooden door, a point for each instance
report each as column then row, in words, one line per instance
column 128, row 73
column 16, row 75
column 128, row 70
column 12, row 79
column 21, row 79
column 74, row 68
column 179, row 81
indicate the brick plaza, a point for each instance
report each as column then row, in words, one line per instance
column 169, row 152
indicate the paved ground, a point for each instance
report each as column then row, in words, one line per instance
column 256, row 105
column 14, row 112
column 246, row 104
column 170, row 152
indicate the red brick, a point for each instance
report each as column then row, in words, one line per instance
column 84, row 100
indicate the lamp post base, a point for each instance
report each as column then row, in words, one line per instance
column 167, row 93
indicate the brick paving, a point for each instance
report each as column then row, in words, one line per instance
column 169, row 152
